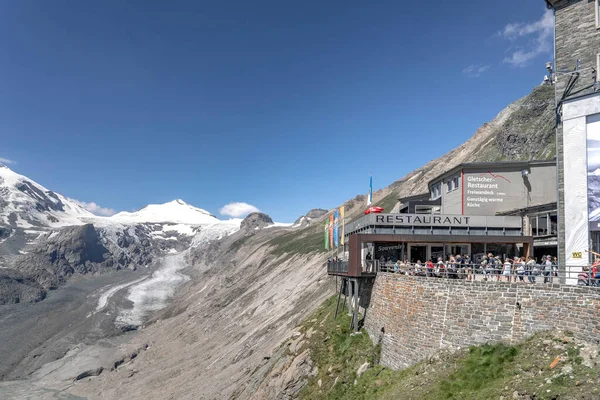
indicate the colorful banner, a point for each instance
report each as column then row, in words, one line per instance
column 327, row 235
column 331, row 230
column 336, row 218
column 343, row 223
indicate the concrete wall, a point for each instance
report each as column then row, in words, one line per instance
column 452, row 201
column 542, row 180
column 420, row 316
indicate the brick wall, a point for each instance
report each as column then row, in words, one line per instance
column 419, row 316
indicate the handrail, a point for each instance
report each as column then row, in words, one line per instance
column 498, row 273
column 337, row 266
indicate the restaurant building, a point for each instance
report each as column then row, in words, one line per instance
column 504, row 208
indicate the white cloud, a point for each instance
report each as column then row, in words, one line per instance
column 95, row 208
column 540, row 37
column 475, row 70
column 238, row 210
column 6, row 161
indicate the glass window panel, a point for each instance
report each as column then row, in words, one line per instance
column 542, row 225
column 533, row 226
column 553, row 224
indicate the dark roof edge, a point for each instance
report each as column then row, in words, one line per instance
column 524, row 210
column 414, row 196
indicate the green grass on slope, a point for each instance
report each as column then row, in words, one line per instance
column 304, row 241
column 480, row 372
column 388, row 202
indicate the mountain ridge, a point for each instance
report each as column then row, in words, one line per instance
column 177, row 211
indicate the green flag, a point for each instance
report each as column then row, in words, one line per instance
column 327, row 235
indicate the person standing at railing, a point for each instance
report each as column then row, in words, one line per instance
column 495, row 266
column 396, row 266
column 440, row 268
column 548, row 270
column 418, row 268
column 469, row 271
column 531, row 267
column 595, row 273
column 429, row 267
column 520, row 268
column 484, row 267
column 507, row 269
column 583, row 279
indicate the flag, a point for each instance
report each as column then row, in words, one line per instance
column 331, row 230
column 343, row 222
column 327, row 235
column 370, row 196
column 336, row 218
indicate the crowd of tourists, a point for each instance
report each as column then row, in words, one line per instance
column 489, row 268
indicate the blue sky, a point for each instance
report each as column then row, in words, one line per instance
column 284, row 106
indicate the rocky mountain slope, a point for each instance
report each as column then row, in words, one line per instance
column 249, row 290
column 45, row 238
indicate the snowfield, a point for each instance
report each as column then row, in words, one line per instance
column 26, row 204
column 176, row 211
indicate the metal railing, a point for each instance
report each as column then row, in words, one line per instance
column 476, row 272
column 339, row 267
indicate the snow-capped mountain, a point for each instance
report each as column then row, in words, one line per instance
column 25, row 203
column 176, row 211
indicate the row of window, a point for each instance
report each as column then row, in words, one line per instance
column 452, row 184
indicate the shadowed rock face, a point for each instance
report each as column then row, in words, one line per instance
column 16, row 288
column 310, row 216
column 256, row 220
column 82, row 249
column 43, row 203
column 74, row 249
column 316, row 213
column 4, row 232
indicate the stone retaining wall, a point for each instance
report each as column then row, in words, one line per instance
column 417, row 316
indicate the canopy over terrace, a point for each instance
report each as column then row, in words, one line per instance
column 431, row 236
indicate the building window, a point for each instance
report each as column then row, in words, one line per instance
column 427, row 209
column 553, row 223
column 543, row 224
column 597, row 10
column 436, row 190
column 454, row 183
